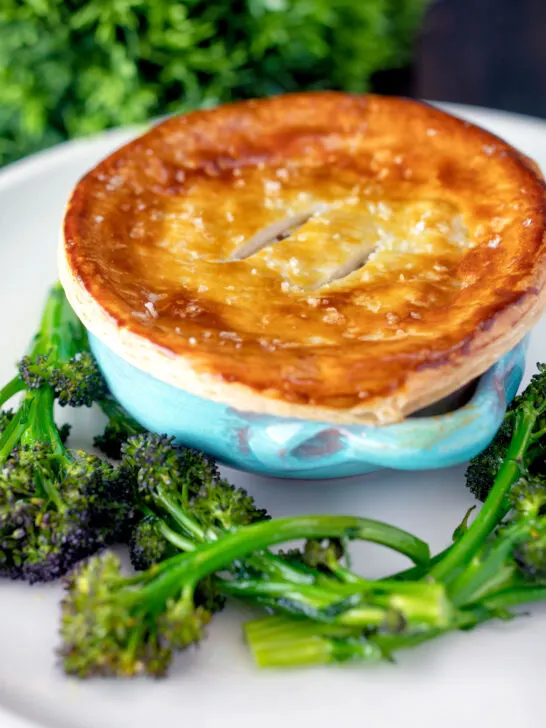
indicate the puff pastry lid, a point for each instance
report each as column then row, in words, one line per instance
column 346, row 258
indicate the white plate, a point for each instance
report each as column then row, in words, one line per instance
column 493, row 676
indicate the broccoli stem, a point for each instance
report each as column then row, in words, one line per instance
column 117, row 416
column 270, row 580
column 491, row 573
column 10, row 389
column 60, row 329
column 362, row 603
column 280, row 641
column 119, row 428
column 211, row 557
column 310, row 601
column 14, row 431
column 312, row 593
column 494, row 507
column 175, row 538
column 278, row 627
column 42, row 422
column 534, row 452
column 270, row 565
column 191, row 527
column 515, row 596
column 44, row 430
column 416, row 572
column 494, row 606
column 364, row 529
column 276, row 568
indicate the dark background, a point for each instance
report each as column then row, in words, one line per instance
column 481, row 52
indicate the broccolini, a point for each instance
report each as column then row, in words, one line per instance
column 495, row 563
column 56, row 506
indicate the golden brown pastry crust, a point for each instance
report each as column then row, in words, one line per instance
column 442, row 222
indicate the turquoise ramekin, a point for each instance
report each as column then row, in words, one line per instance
column 293, row 448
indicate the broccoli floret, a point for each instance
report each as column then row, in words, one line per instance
column 528, row 500
column 160, row 464
column 147, row 545
column 528, row 496
column 60, row 357
column 530, row 553
column 293, row 556
column 187, row 484
column 116, row 626
column 185, row 501
column 208, row 594
column 120, row 427
column 483, row 468
column 67, row 505
column 324, row 555
column 77, row 382
column 218, row 504
column 182, row 497
column 35, row 370
column 17, row 518
column 57, row 505
column 64, row 432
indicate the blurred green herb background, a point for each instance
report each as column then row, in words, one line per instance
column 69, row 68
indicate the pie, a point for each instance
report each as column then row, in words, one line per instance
column 325, row 256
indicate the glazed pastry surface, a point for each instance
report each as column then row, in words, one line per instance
column 326, row 255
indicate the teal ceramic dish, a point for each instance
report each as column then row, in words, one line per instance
column 292, row 448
